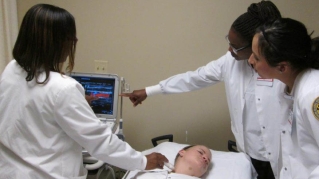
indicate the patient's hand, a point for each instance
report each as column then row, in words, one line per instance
column 155, row 160
column 136, row 97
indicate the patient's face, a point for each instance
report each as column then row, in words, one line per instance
column 194, row 161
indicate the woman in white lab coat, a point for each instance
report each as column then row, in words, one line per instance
column 44, row 117
column 284, row 50
column 254, row 103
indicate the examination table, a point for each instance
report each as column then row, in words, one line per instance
column 225, row 165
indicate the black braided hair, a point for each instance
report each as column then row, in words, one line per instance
column 257, row 14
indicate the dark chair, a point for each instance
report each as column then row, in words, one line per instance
column 231, row 146
column 168, row 137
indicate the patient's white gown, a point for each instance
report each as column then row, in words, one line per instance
column 159, row 175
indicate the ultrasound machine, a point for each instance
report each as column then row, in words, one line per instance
column 106, row 88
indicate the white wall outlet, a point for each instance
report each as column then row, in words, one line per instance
column 100, row 66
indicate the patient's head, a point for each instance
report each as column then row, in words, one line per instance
column 193, row 160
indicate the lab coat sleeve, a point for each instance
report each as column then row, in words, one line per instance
column 76, row 118
column 314, row 174
column 308, row 131
column 204, row 76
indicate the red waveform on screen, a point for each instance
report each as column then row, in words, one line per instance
column 100, row 95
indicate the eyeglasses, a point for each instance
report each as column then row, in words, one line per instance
column 235, row 50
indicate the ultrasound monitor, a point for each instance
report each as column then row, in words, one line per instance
column 103, row 86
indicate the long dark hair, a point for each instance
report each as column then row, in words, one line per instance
column 288, row 40
column 46, row 38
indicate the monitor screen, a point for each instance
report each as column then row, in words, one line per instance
column 103, row 87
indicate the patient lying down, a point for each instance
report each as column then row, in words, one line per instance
column 191, row 162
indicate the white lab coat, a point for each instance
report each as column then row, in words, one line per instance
column 236, row 75
column 43, row 128
column 301, row 153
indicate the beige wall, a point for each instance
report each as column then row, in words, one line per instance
column 146, row 41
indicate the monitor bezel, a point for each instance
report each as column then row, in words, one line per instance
column 116, row 90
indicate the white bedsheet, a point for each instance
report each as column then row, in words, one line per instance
column 225, row 165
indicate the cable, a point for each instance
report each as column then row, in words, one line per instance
column 111, row 169
column 99, row 172
column 105, row 167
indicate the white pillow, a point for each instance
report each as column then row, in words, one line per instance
column 224, row 165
